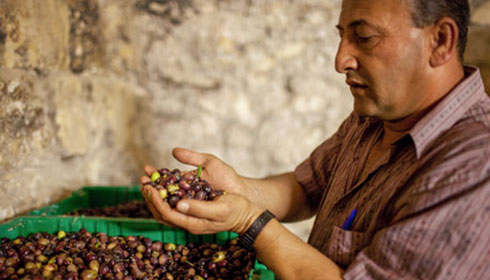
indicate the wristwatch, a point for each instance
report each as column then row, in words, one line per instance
column 247, row 239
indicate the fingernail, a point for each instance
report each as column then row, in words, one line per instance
column 183, row 207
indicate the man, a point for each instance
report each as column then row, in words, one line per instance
column 402, row 189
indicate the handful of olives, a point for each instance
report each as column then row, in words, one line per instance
column 174, row 185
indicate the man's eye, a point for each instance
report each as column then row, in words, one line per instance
column 364, row 39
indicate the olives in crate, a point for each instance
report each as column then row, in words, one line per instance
column 86, row 256
column 131, row 209
column 174, row 185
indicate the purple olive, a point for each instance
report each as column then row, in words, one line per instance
column 201, row 195
column 173, row 201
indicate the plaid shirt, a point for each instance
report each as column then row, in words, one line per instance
column 423, row 211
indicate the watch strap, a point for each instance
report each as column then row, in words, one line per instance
column 247, row 239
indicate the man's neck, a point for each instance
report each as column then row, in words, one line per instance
column 443, row 83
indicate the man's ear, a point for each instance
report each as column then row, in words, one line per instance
column 444, row 41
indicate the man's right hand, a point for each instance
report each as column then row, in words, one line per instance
column 217, row 173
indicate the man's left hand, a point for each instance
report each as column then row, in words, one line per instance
column 229, row 212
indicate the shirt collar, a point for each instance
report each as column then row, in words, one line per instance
column 449, row 110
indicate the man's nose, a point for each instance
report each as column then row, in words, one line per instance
column 345, row 60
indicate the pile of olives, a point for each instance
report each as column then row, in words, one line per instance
column 175, row 185
column 131, row 209
column 86, row 256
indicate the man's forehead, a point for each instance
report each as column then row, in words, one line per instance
column 376, row 13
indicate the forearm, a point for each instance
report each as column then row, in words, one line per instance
column 291, row 258
column 281, row 194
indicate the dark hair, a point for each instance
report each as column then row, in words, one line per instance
column 426, row 12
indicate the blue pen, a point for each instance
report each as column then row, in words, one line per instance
column 350, row 220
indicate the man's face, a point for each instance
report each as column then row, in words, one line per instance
column 384, row 57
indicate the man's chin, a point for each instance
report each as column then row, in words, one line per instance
column 362, row 111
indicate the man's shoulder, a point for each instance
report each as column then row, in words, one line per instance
column 458, row 163
column 479, row 113
column 474, row 125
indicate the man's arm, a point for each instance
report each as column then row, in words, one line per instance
column 290, row 257
column 281, row 194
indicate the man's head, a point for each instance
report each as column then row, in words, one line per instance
column 394, row 53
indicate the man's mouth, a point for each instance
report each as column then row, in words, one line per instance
column 356, row 84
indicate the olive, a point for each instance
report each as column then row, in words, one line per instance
column 173, row 201
column 169, row 247
column 47, row 274
column 201, row 195
column 141, row 248
column 71, row 268
column 184, row 185
column 21, row 271
column 43, row 241
column 61, row 234
column 88, row 275
column 163, row 193
column 172, row 189
column 156, row 246
column 94, row 265
column 218, row 256
column 155, row 176
column 11, row 261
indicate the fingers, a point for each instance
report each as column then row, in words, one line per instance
column 145, row 180
column 149, row 169
column 173, row 217
column 154, row 212
column 189, row 157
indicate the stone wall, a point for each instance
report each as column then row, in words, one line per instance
column 90, row 90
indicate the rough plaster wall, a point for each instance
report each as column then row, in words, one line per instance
column 477, row 52
column 90, row 90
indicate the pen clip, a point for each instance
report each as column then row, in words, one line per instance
column 350, row 220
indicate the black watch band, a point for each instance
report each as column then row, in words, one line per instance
column 247, row 239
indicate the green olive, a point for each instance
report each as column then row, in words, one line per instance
column 170, row 247
column 61, row 234
column 163, row 193
column 218, row 256
column 155, row 176
column 173, row 188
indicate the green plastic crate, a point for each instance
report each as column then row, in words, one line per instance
column 24, row 226
column 91, row 197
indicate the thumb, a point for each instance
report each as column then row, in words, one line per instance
column 189, row 157
column 200, row 208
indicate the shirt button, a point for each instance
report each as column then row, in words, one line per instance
column 340, row 207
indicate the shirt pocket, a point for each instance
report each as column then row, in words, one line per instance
column 344, row 245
